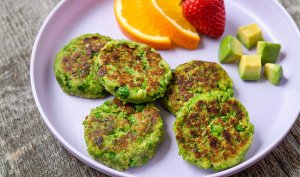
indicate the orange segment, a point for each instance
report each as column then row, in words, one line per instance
column 138, row 24
column 172, row 23
column 173, row 10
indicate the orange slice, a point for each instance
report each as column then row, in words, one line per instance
column 172, row 23
column 138, row 24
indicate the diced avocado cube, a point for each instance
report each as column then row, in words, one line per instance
column 249, row 35
column 230, row 50
column 250, row 67
column 269, row 51
column 273, row 73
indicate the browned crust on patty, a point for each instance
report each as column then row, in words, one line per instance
column 78, row 59
column 195, row 77
column 197, row 138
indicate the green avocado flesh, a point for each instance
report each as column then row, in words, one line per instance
column 269, row 51
column 249, row 35
column 250, row 67
column 273, row 73
column 230, row 50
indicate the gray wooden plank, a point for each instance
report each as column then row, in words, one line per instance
column 293, row 7
column 287, row 155
column 296, row 130
column 266, row 167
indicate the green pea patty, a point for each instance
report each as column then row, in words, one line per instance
column 74, row 64
column 196, row 77
column 213, row 132
column 123, row 135
column 133, row 72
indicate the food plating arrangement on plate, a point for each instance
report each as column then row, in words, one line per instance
column 168, row 78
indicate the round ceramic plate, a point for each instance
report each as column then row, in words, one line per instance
column 273, row 109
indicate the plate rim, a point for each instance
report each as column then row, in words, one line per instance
column 242, row 166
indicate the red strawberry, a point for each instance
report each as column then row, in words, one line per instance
column 207, row 16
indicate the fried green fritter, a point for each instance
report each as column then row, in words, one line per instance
column 133, row 72
column 196, row 77
column 122, row 135
column 74, row 64
column 213, row 132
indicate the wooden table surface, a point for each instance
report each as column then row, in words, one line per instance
column 26, row 146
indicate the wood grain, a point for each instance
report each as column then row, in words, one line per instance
column 26, row 146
